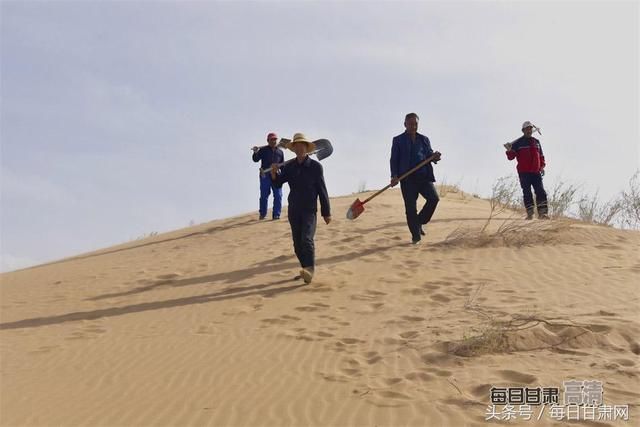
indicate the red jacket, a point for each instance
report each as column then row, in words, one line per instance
column 528, row 152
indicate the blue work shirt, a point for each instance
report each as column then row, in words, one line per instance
column 268, row 156
column 306, row 183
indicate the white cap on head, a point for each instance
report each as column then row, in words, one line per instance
column 527, row 124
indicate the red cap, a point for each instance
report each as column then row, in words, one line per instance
column 272, row 135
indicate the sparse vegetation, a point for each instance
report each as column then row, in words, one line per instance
column 630, row 203
column 503, row 198
column 590, row 209
column 561, row 199
column 495, row 335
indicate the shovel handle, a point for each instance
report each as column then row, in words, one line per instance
column 265, row 170
column 403, row 176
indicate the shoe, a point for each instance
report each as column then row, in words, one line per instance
column 415, row 242
column 529, row 217
column 543, row 216
column 262, row 217
column 298, row 277
column 422, row 233
column 275, row 218
column 307, row 274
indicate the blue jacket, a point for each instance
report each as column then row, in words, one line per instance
column 268, row 156
column 401, row 155
column 306, row 183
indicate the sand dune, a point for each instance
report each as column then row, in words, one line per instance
column 205, row 326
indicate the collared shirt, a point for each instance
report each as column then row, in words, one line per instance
column 306, row 183
column 418, row 154
column 268, row 156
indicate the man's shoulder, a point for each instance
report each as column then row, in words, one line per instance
column 520, row 141
column 422, row 137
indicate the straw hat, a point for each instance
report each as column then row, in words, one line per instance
column 300, row 137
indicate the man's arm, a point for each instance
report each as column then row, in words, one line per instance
column 325, row 206
column 543, row 163
column 257, row 154
column 394, row 161
column 278, row 175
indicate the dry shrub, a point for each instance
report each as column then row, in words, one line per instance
column 590, row 209
column 630, row 203
column 561, row 199
column 511, row 233
column 503, row 198
column 517, row 333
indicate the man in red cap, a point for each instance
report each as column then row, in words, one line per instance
column 531, row 163
column 269, row 154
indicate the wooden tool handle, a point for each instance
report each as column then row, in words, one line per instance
column 403, row 176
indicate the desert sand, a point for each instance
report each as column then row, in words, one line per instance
column 206, row 326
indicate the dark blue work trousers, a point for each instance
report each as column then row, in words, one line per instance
column 303, row 230
column 411, row 187
column 528, row 180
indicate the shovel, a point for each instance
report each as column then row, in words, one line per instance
column 358, row 206
column 322, row 151
column 280, row 144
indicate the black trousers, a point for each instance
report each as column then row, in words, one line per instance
column 411, row 187
column 303, row 230
column 528, row 180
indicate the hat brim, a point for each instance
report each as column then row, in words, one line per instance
column 310, row 145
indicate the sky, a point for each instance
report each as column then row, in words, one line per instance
column 123, row 118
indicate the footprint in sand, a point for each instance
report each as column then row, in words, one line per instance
column 351, row 341
column 517, row 377
column 440, row 298
column 412, row 318
column 317, row 306
column 439, row 372
column 625, row 362
column 44, row 349
column 415, row 291
column 169, row 276
column 389, row 394
column 352, row 372
column 282, row 320
column 373, row 357
column 87, row 332
column 419, row 377
column 409, row 334
column 369, row 308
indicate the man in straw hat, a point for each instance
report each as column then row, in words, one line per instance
column 306, row 183
column 528, row 153
column 408, row 150
column 269, row 155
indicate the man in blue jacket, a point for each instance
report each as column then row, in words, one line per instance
column 306, row 182
column 409, row 149
column 269, row 155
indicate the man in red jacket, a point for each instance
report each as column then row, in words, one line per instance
column 528, row 152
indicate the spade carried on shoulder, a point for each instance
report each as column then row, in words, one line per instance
column 323, row 150
column 357, row 207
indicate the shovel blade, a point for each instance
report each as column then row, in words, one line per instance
column 323, row 148
column 355, row 210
